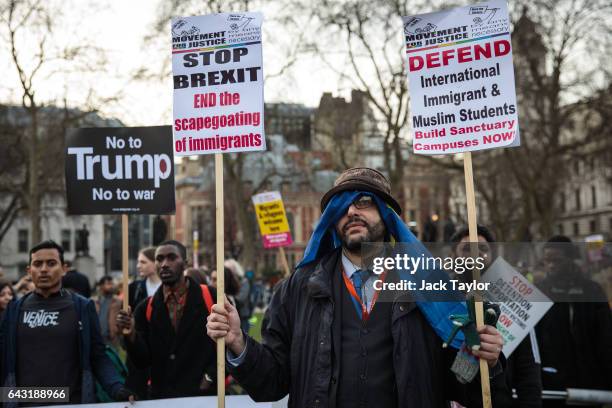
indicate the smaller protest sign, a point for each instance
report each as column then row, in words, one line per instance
column 272, row 219
column 595, row 245
column 522, row 304
column 120, row 170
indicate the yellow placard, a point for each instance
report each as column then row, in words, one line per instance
column 271, row 217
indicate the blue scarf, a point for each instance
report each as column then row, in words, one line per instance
column 324, row 239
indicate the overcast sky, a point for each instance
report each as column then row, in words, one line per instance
column 119, row 28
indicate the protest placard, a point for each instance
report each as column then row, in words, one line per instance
column 522, row 304
column 462, row 96
column 218, row 84
column 218, row 105
column 120, row 170
column 273, row 224
column 594, row 247
column 461, row 78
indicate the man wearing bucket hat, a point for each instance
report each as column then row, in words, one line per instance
column 327, row 342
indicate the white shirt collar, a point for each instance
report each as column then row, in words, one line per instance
column 348, row 266
column 152, row 287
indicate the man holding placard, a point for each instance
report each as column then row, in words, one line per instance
column 328, row 342
column 166, row 332
column 522, row 372
column 462, row 95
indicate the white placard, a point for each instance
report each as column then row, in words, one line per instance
column 522, row 304
column 461, row 79
column 217, row 71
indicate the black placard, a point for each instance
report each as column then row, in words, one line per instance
column 120, row 170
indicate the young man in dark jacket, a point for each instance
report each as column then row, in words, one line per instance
column 327, row 342
column 51, row 337
column 168, row 333
column 522, row 371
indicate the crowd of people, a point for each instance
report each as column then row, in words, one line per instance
column 326, row 341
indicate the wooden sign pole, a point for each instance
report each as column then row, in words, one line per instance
column 281, row 251
column 473, row 233
column 125, row 254
column 220, row 275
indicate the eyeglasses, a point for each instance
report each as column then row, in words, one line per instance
column 363, row 202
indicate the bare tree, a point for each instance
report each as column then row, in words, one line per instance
column 368, row 54
column 27, row 28
column 564, row 115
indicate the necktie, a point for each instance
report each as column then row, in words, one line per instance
column 356, row 278
column 359, row 278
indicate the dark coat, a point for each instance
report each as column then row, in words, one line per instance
column 523, row 374
column 95, row 364
column 575, row 337
column 297, row 350
column 178, row 361
column 138, row 292
column 77, row 282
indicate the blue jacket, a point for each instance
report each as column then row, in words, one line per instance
column 95, row 364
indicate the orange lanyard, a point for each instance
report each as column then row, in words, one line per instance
column 361, row 308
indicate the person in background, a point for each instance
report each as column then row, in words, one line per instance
column 139, row 290
column 76, row 281
column 149, row 283
column 522, row 371
column 51, row 337
column 575, row 335
column 198, row 275
column 167, row 332
column 232, row 284
column 6, row 295
column 243, row 297
column 107, row 306
column 23, row 286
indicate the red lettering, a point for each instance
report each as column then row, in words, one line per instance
column 505, row 320
column 464, row 55
column 433, row 60
column 475, row 52
column 447, row 55
column 257, row 138
column 501, row 47
column 415, row 63
column 480, row 51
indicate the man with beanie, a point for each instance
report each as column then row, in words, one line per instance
column 327, row 342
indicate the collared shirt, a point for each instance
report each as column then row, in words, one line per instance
column 175, row 300
column 152, row 287
column 367, row 286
